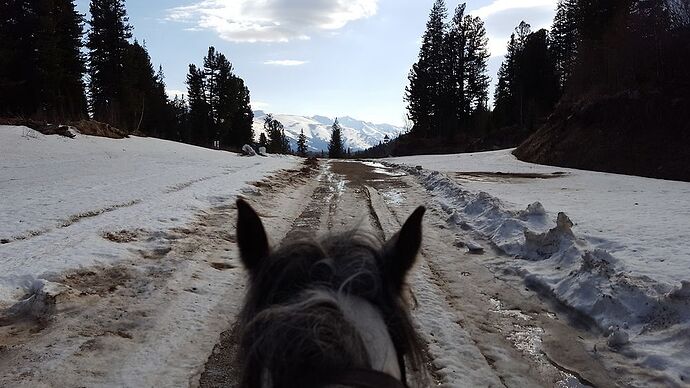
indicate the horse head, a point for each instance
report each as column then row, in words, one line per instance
column 327, row 311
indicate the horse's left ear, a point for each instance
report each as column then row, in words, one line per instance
column 401, row 250
column 251, row 236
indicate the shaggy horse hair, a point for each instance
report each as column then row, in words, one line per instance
column 307, row 318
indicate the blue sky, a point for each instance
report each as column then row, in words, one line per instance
column 307, row 57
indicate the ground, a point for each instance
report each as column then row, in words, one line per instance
column 146, row 294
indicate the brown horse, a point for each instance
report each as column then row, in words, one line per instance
column 327, row 312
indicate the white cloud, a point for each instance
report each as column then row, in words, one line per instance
column 502, row 16
column 285, row 62
column 506, row 5
column 272, row 20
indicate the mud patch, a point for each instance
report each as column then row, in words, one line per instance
column 101, row 282
column 221, row 266
column 122, row 236
column 505, row 177
column 184, row 185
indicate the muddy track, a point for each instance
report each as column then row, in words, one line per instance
column 339, row 200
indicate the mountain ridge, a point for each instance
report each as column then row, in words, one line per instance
column 358, row 134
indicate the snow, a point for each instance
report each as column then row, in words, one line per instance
column 613, row 247
column 358, row 135
column 60, row 196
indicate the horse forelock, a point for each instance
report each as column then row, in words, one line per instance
column 310, row 306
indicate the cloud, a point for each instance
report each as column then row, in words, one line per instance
column 505, row 5
column 501, row 17
column 285, row 62
column 272, row 20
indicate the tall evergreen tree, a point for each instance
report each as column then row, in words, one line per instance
column 302, row 144
column 527, row 80
column 425, row 92
column 41, row 66
column 564, row 39
column 61, row 65
column 263, row 140
column 144, row 101
column 455, row 72
column 336, row 147
column 504, row 98
column 181, row 129
column 275, row 132
column 18, row 60
column 476, row 57
column 108, row 46
column 219, row 103
column 200, row 122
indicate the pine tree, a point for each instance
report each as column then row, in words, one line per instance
column 61, row 65
column 564, row 39
column 18, row 60
column 504, row 95
column 476, row 58
column 200, row 121
column 180, row 110
column 108, row 45
column 455, row 72
column 538, row 80
column 228, row 100
column 336, row 148
column 528, row 86
column 144, row 101
column 219, row 101
column 302, row 144
column 285, row 146
column 41, row 66
column 425, row 92
column 263, row 141
column 276, row 135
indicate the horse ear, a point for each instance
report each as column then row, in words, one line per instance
column 251, row 236
column 401, row 250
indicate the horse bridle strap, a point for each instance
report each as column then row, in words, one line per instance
column 365, row 378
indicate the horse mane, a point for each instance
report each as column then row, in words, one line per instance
column 292, row 331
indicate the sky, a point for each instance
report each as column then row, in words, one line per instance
column 314, row 57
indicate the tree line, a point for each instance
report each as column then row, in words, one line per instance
column 45, row 56
column 449, row 84
column 593, row 47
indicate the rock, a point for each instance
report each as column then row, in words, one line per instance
column 247, row 150
column 617, row 338
column 474, row 246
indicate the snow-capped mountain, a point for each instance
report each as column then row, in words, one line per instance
column 358, row 135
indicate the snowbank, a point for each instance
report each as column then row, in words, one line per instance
column 637, row 292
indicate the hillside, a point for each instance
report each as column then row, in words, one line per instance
column 359, row 135
column 627, row 133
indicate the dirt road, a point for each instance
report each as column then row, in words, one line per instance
column 164, row 317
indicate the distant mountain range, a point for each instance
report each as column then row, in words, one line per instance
column 358, row 135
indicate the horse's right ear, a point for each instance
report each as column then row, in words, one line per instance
column 401, row 250
column 251, row 236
